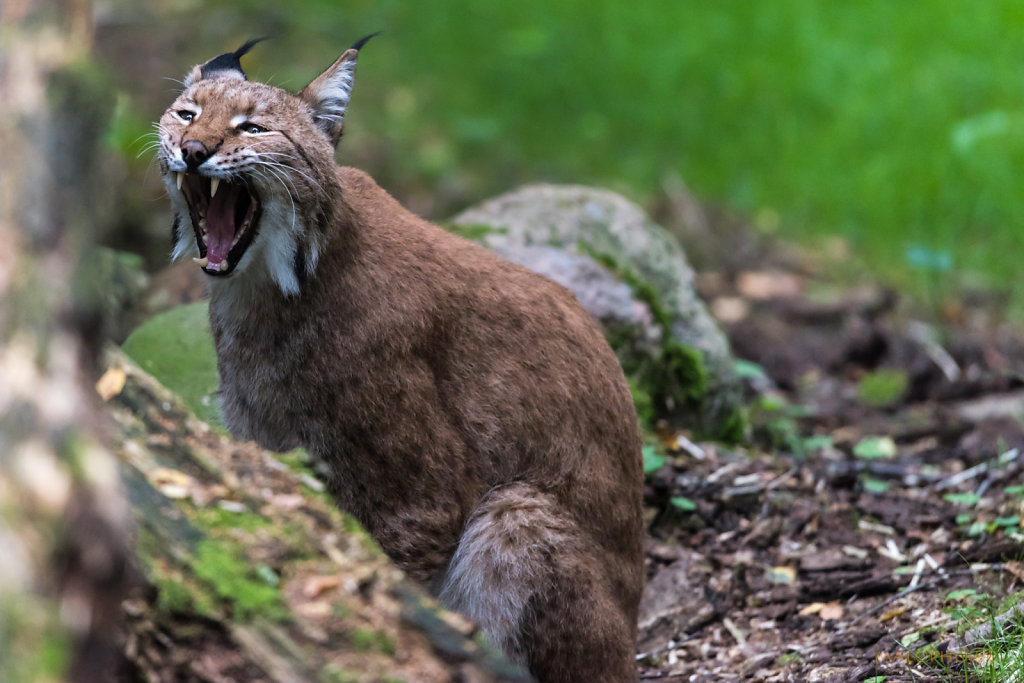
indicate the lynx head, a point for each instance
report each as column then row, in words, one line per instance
column 250, row 167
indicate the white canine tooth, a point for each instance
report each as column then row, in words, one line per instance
column 224, row 264
column 214, row 184
column 181, row 179
column 203, row 262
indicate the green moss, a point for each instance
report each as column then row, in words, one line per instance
column 354, row 528
column 214, row 518
column 368, row 640
column 351, row 524
column 788, row 658
column 882, row 387
column 297, row 461
column 332, row 674
column 237, row 582
column 675, row 373
column 686, row 375
column 732, row 427
column 175, row 593
column 175, row 597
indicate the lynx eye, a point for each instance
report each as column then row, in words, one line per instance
column 186, row 115
column 252, row 128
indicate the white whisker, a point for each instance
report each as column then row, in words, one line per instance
column 308, row 177
column 262, row 172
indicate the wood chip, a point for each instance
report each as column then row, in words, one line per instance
column 316, row 585
column 111, row 383
column 831, row 611
column 171, row 483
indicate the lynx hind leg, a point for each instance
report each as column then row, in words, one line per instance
column 541, row 591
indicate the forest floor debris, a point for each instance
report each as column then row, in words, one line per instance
column 880, row 507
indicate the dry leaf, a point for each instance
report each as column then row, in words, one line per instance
column 730, row 309
column 832, row 611
column 111, row 383
column 892, row 614
column 315, row 585
column 765, row 285
column 812, row 608
column 317, row 609
column 1015, row 568
column 287, row 501
column 171, row 483
column 781, row 575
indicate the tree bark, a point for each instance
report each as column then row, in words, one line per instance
column 63, row 569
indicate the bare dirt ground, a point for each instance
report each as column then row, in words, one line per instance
column 880, row 491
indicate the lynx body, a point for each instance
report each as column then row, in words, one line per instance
column 467, row 411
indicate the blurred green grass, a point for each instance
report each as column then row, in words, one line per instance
column 896, row 125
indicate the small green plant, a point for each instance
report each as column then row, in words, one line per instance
column 968, row 498
column 883, row 387
column 681, row 503
column 653, row 460
column 774, row 420
column 872, row 447
column 998, row 655
column 875, row 485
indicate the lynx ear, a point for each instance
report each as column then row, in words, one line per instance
column 330, row 92
column 227, row 65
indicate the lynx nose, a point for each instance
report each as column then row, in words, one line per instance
column 194, row 153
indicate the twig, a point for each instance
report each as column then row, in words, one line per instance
column 971, row 472
column 924, row 335
column 734, row 631
column 926, row 584
column 672, row 644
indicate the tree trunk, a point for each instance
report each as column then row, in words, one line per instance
column 63, row 568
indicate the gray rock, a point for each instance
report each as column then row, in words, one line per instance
column 604, row 296
column 584, row 223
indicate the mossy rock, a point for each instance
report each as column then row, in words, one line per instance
column 690, row 373
column 176, row 347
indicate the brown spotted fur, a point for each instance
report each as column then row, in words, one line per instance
column 466, row 410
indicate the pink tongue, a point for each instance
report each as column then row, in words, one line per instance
column 220, row 222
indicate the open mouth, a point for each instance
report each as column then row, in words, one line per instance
column 224, row 218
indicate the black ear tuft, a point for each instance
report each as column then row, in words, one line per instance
column 229, row 61
column 363, row 41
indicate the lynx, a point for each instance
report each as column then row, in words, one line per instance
column 467, row 411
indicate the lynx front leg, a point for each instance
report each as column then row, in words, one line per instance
column 544, row 591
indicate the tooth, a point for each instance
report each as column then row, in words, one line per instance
column 224, row 264
column 181, row 179
column 214, row 184
column 202, row 224
column 203, row 262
